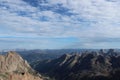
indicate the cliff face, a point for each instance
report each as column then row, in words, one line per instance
column 13, row 67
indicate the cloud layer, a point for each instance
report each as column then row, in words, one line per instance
column 75, row 23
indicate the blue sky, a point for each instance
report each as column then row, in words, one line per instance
column 56, row 24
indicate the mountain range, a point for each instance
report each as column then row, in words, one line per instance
column 86, row 66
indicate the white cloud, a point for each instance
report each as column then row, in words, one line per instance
column 91, row 19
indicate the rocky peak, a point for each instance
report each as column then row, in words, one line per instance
column 13, row 54
column 13, row 67
column 65, row 56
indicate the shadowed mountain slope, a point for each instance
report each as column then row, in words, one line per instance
column 85, row 66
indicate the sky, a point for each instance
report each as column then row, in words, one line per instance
column 59, row 24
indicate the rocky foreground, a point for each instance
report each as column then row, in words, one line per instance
column 13, row 67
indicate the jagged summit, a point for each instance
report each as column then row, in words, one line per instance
column 13, row 67
column 65, row 56
column 12, row 53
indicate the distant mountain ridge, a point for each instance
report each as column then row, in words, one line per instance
column 44, row 54
column 86, row 66
column 13, row 67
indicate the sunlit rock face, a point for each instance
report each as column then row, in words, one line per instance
column 13, row 67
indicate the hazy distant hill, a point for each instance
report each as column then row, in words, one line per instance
column 39, row 55
column 86, row 66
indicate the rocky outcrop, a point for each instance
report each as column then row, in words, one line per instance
column 13, row 67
